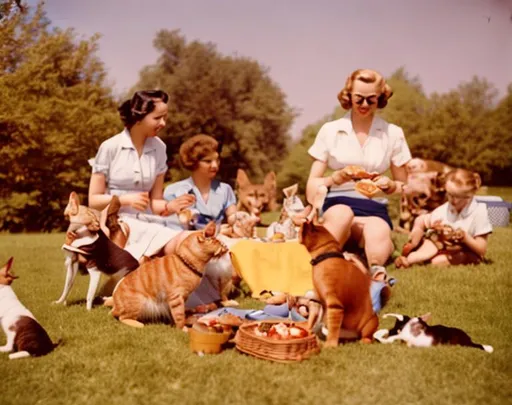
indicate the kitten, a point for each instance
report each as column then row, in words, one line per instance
column 417, row 333
column 158, row 289
column 25, row 336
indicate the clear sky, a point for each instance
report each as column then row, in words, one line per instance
column 310, row 46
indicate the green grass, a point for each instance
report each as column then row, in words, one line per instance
column 104, row 362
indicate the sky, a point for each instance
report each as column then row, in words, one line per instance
column 309, row 46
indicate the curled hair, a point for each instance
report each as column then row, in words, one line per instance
column 464, row 178
column 141, row 104
column 193, row 150
column 366, row 76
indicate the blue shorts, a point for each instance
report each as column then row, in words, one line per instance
column 361, row 207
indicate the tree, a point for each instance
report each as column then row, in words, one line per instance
column 231, row 98
column 54, row 111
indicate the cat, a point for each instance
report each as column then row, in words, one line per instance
column 158, row 289
column 25, row 336
column 342, row 288
column 417, row 333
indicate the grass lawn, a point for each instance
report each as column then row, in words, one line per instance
column 104, row 362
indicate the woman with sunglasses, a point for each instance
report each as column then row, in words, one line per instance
column 132, row 166
column 360, row 138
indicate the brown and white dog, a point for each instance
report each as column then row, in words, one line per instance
column 25, row 336
column 256, row 198
column 91, row 247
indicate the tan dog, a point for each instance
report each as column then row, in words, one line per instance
column 343, row 289
column 256, row 198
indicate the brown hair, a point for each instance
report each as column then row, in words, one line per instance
column 197, row 148
column 366, row 76
column 141, row 104
column 464, row 178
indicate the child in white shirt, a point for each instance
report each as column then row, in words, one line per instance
column 467, row 217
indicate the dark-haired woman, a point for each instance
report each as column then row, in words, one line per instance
column 132, row 166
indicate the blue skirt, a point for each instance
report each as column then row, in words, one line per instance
column 361, row 207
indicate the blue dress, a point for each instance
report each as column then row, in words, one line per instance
column 220, row 198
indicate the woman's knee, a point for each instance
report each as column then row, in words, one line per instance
column 341, row 214
column 377, row 229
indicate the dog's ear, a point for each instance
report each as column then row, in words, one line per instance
column 6, row 270
column 270, row 181
column 210, row 229
column 241, row 179
column 73, row 204
column 426, row 317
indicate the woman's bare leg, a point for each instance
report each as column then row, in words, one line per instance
column 338, row 220
column 375, row 235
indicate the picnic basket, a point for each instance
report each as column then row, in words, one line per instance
column 283, row 351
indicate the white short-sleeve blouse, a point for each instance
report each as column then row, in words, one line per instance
column 337, row 145
column 474, row 218
column 124, row 171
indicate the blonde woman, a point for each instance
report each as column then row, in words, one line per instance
column 364, row 139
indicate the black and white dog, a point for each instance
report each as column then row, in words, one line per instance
column 417, row 333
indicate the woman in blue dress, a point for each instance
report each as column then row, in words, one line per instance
column 132, row 166
column 213, row 199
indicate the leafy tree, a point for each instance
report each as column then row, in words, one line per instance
column 231, row 98
column 54, row 111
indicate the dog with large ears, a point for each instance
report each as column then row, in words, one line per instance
column 341, row 286
column 92, row 248
column 25, row 336
column 256, row 198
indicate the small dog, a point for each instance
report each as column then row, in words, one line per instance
column 25, row 336
column 417, row 333
column 343, row 289
column 256, row 198
column 91, row 248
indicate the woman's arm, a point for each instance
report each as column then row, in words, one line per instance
column 156, row 194
column 477, row 244
column 399, row 174
column 97, row 187
column 99, row 200
column 316, row 179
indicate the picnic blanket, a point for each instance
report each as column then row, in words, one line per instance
column 273, row 266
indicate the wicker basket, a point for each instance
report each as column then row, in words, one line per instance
column 283, row 351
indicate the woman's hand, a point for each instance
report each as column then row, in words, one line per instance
column 340, row 176
column 385, row 184
column 180, row 203
column 139, row 201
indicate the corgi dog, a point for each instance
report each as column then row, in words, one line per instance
column 25, row 336
column 92, row 248
column 256, row 198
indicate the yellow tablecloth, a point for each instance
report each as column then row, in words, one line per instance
column 273, row 266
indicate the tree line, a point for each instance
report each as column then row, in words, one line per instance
column 56, row 107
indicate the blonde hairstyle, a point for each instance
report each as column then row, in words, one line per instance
column 464, row 178
column 195, row 149
column 365, row 76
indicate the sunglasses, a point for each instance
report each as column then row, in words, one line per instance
column 359, row 100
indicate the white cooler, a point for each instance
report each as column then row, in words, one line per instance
column 499, row 210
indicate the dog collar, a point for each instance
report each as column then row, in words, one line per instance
column 190, row 266
column 324, row 256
